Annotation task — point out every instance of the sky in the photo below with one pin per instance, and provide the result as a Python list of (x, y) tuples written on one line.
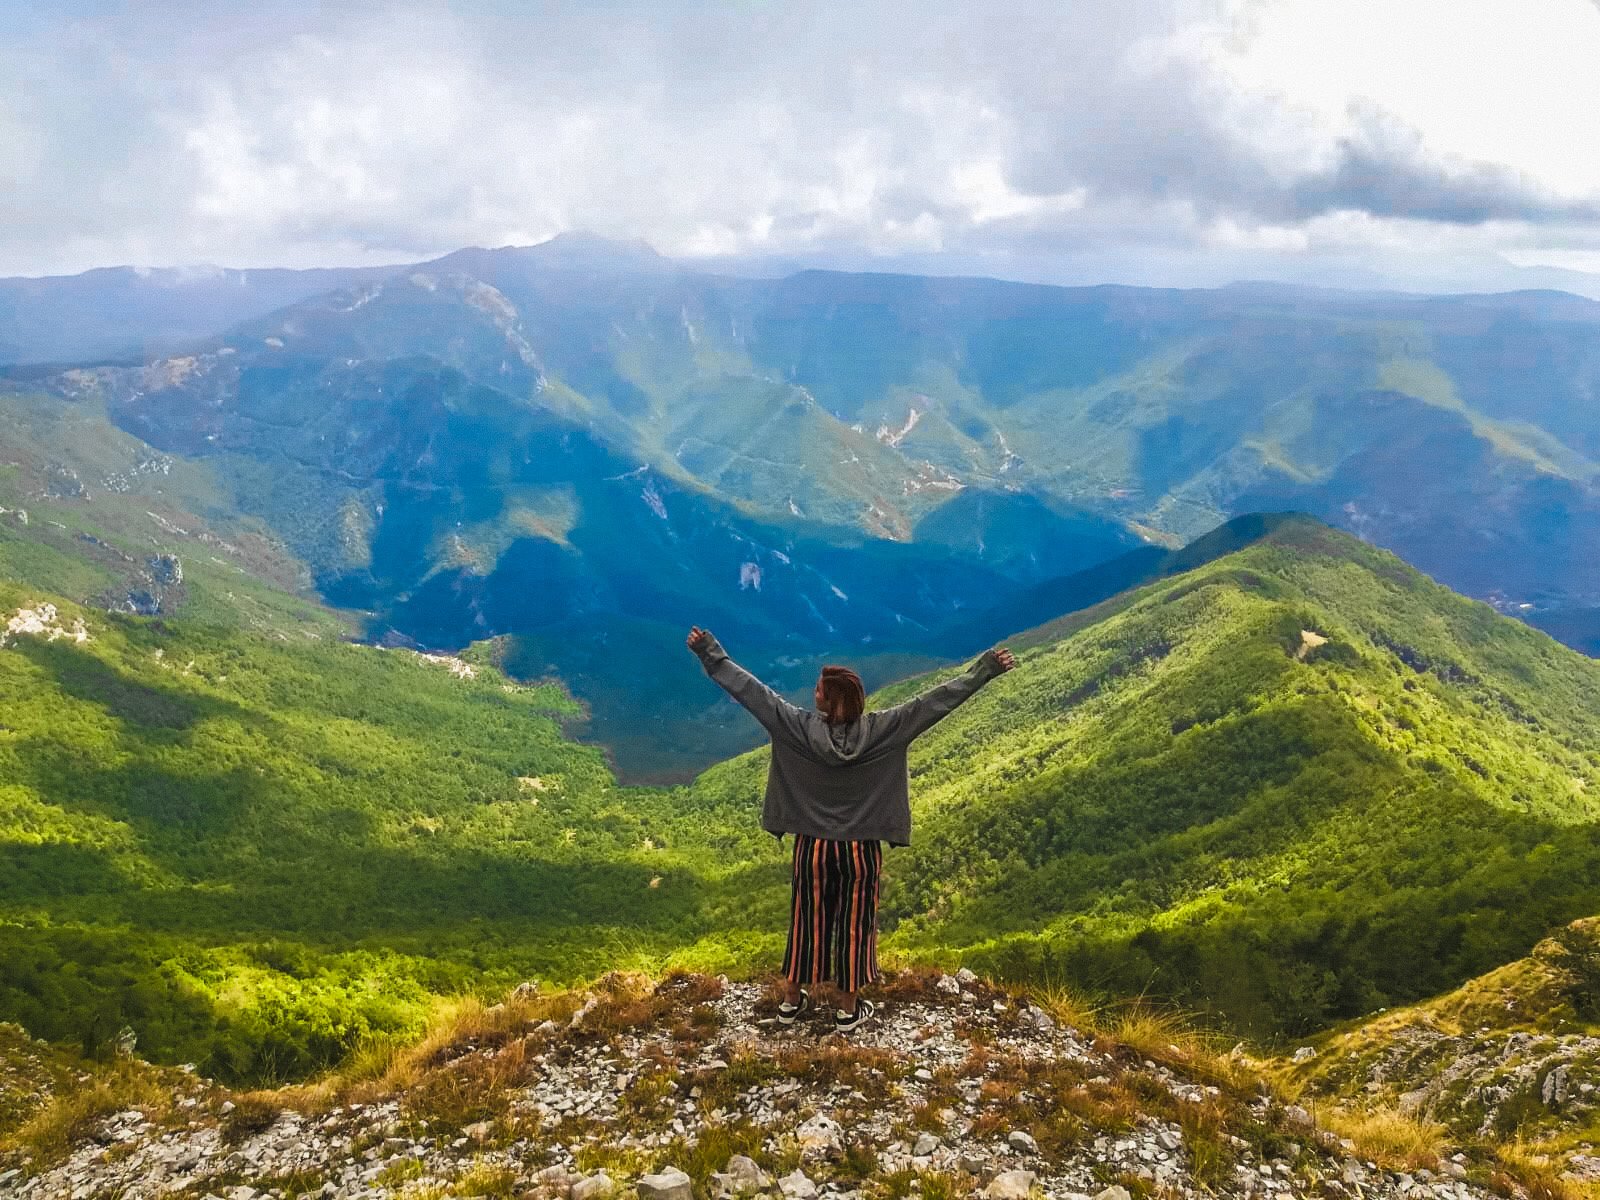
[(1437, 144)]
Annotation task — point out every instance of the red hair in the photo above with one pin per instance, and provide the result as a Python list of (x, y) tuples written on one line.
[(843, 697)]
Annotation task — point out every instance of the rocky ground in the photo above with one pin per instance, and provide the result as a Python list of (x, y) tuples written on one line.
[(1510, 1056), (690, 1090), (1481, 1084)]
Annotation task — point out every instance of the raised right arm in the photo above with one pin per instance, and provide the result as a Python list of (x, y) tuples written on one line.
[(777, 716)]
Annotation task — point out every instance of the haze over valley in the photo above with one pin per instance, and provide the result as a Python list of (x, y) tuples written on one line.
[(580, 447)]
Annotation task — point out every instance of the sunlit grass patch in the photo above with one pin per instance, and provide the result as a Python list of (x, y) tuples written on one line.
[(710, 1150), (1527, 1172), (1393, 1140), (402, 1172), (1206, 1138), (489, 1179), (71, 1116), (897, 1185)]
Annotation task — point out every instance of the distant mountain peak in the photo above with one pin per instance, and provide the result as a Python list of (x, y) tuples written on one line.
[(564, 252), (592, 245)]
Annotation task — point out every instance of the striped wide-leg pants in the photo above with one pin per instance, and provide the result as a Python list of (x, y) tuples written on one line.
[(833, 914)]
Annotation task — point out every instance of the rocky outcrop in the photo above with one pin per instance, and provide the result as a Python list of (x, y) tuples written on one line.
[(1511, 1052), (952, 1086)]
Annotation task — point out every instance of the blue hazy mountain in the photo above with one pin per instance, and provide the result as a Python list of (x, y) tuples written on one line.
[(581, 445), (131, 313)]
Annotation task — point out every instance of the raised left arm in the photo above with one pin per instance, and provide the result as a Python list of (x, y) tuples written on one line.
[(904, 722)]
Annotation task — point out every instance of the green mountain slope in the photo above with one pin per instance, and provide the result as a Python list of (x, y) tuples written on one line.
[(1292, 784), (1509, 1054), (256, 852), (877, 402), (92, 513), (568, 443)]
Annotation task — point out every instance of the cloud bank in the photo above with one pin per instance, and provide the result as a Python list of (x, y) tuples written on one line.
[(1177, 131)]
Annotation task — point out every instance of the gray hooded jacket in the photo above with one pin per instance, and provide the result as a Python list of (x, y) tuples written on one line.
[(845, 782)]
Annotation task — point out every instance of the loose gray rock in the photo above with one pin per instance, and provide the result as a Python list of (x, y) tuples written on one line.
[(796, 1186), (670, 1184), (1021, 1140), (744, 1176), (949, 985), (598, 1184), (1013, 1185), (1555, 1086), (819, 1135), (1115, 1192), (926, 1144), (965, 976), (1411, 1102)]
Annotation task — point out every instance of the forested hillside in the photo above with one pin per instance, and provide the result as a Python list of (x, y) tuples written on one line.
[(580, 447), (1298, 783), (257, 852), (1295, 783)]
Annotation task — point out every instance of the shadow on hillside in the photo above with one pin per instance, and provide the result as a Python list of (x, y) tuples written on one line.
[(177, 814), (353, 892), (85, 677), (55, 869)]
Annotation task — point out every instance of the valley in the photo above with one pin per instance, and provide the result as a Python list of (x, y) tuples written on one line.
[(575, 445), (1289, 785), (342, 687)]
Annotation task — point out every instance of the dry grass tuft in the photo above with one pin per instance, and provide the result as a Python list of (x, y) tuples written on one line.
[(628, 1001), (460, 1028), (746, 1069), (868, 1069), (253, 1113), (916, 984), (49, 1135), (475, 1087), (1176, 1040), (1205, 1134), (1528, 1174), (1066, 1004), (649, 1096), (1391, 1139)]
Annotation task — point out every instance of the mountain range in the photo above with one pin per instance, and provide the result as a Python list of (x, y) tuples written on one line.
[(1290, 784), (582, 447)]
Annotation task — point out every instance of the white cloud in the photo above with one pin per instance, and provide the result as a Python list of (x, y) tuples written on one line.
[(301, 134)]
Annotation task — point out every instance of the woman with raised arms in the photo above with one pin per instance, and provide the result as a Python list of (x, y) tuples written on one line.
[(837, 782)]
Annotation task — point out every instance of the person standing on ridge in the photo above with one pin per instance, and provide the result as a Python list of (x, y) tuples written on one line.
[(837, 781)]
